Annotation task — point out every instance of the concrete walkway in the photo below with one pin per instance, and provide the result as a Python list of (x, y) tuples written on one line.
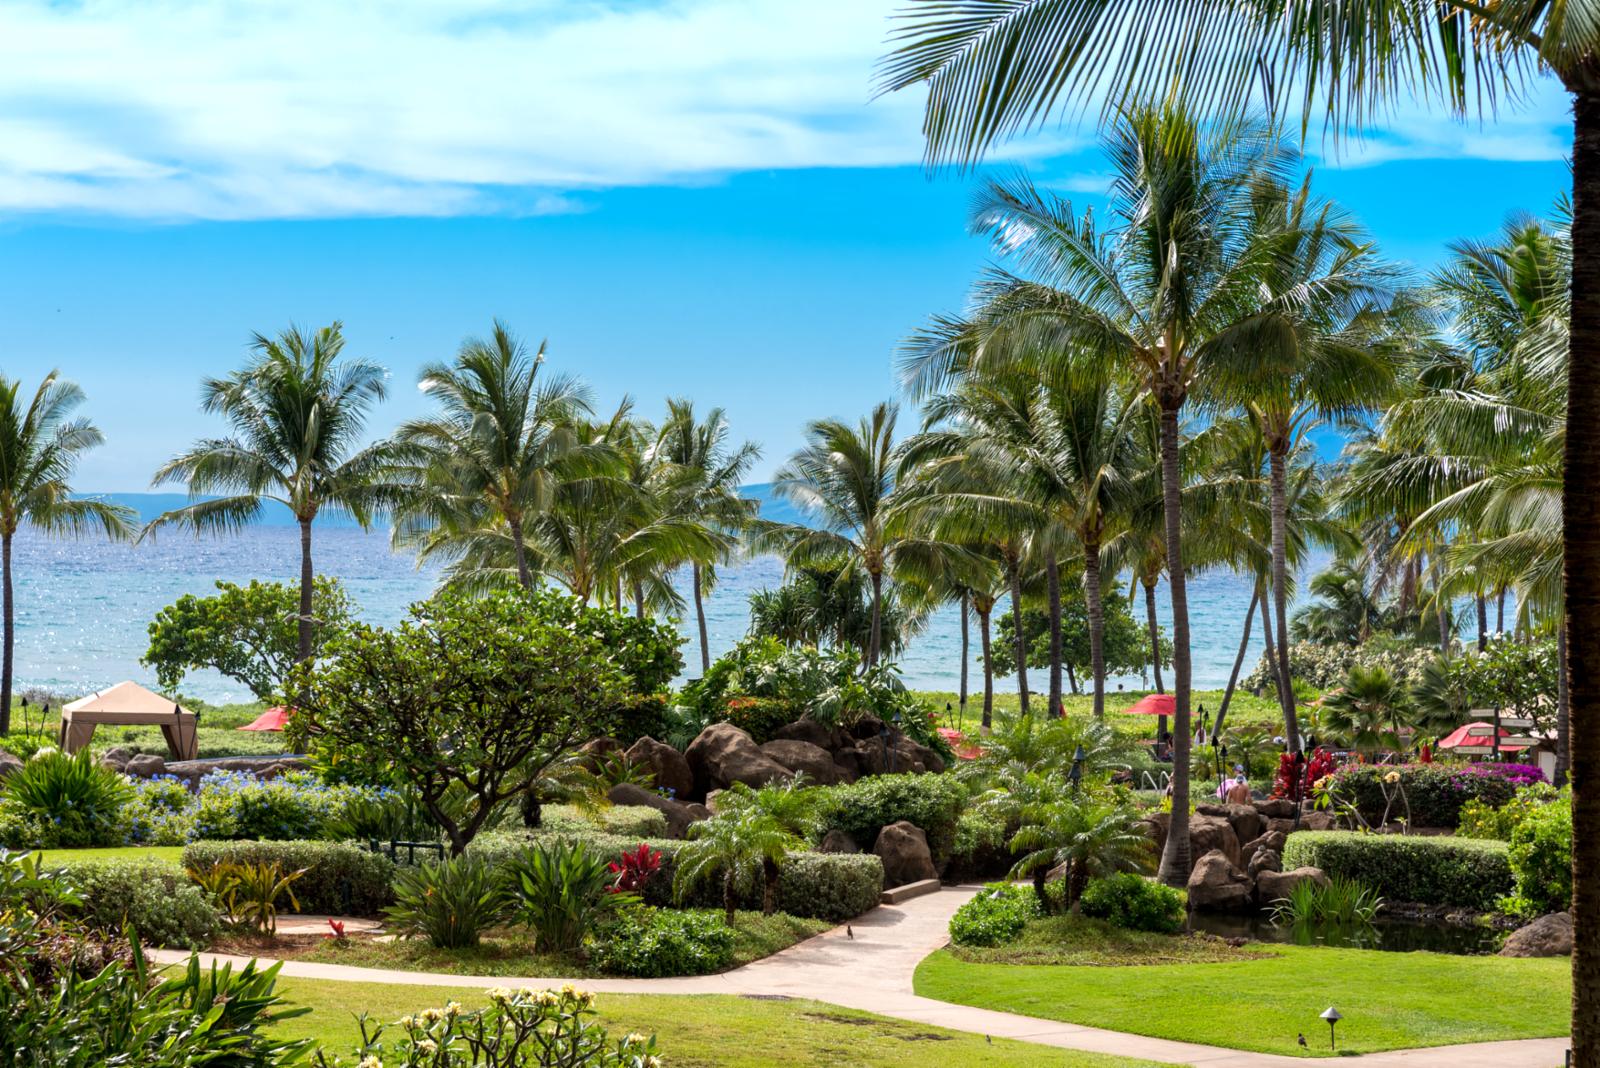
[(869, 964)]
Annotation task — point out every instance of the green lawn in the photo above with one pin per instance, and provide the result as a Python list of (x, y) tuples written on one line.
[(1245, 708), (1389, 1000), (511, 953), (67, 857), (705, 1031)]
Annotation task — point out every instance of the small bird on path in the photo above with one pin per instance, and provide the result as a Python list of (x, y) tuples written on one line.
[(849, 932)]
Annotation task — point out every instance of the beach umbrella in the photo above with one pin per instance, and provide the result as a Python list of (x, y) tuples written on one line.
[(1154, 704), (273, 719), (1460, 737)]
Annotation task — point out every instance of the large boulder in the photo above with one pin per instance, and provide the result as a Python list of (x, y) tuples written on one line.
[(1215, 885), (837, 841), (1271, 841), (666, 764), (1263, 860), (116, 758), (145, 766), (1213, 832), (912, 755), (1548, 936), (903, 848), (806, 729), (679, 815), (1275, 808), (8, 763), (722, 755), (1246, 822), (595, 751), (815, 761), (1272, 885), (1318, 821)]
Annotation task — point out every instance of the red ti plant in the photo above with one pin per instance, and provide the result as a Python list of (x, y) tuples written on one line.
[(634, 869), (337, 933)]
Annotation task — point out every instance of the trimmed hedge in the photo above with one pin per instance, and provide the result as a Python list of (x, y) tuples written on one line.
[(157, 898), (1465, 872), (820, 886), (340, 879), (933, 802)]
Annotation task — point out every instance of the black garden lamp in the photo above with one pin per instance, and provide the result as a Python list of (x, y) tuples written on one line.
[(1333, 1016), (1075, 776)]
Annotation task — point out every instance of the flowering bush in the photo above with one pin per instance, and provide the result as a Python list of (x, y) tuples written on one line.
[(518, 1029), (1435, 793), (1324, 666), (1481, 820), (160, 812), (1318, 767), (236, 805)]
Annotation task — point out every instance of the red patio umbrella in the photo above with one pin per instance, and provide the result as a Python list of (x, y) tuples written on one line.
[(1460, 737), (273, 719), (1154, 704)]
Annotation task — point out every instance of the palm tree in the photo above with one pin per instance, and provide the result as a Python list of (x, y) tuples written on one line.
[(793, 806), (1368, 710), (497, 452), (701, 448), (298, 410), (1091, 838), (735, 845), (844, 478), (40, 446), (993, 69)]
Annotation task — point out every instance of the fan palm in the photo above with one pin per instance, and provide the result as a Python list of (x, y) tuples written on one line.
[(40, 446), (736, 846), (1368, 710), (497, 451), (1090, 838), (700, 448), (793, 806), (298, 410)]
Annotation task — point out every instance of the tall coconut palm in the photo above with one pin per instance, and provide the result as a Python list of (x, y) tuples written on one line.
[(298, 411), (843, 478), (500, 446), (40, 446), (701, 449), (993, 69)]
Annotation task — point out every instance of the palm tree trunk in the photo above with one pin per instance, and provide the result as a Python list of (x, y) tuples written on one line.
[(769, 879), (1581, 547), (988, 666), (307, 581), (877, 618), (1563, 710), (1052, 578), (1277, 458), (1175, 858), (1238, 661), (730, 896), (1483, 623), (9, 666), (1097, 621), (1271, 649), (966, 652), (1072, 678), (1155, 632), (1015, 567), (700, 619), (524, 576), (1500, 611), (638, 600)]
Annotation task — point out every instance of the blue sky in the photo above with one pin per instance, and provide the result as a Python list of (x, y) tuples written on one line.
[(692, 198)]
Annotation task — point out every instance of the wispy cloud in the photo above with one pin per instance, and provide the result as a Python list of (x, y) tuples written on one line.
[(291, 108)]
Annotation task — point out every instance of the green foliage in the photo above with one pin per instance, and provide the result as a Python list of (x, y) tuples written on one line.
[(651, 943), (518, 1029), (822, 606), (340, 879), (1134, 903), (294, 806), (1367, 709), (65, 802), (1466, 872), (249, 633), (1326, 666), (483, 694), (933, 802), (979, 849), (995, 915), (1541, 859), (248, 894), (1342, 902), (1517, 677), (1479, 819), (1434, 793), (449, 902), (1125, 640), (1091, 837), (560, 891), (157, 900), (735, 846)]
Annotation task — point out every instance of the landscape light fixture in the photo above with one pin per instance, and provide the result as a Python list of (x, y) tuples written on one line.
[(1075, 776), (1333, 1016)]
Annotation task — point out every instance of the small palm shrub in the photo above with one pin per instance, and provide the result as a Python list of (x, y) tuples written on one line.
[(995, 916), (517, 1029), (1135, 903), (651, 943), (67, 801), (248, 894), (736, 847), (559, 891), (449, 902)]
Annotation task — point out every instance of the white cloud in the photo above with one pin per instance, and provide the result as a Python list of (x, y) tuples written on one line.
[(289, 108)]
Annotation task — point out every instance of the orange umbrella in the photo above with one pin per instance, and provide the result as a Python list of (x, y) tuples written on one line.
[(273, 719)]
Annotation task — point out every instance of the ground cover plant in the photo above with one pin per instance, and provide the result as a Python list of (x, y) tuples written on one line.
[(1084, 940), (1389, 1000)]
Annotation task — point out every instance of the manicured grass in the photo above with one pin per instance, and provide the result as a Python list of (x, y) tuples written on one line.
[(705, 1031), (1389, 1000), (1079, 940), (510, 952), (1244, 708), (67, 857)]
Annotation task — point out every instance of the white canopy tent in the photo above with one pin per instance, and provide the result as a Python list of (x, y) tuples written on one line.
[(129, 704)]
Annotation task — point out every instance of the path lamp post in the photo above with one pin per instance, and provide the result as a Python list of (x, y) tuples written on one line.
[(1333, 1016), (1075, 776)]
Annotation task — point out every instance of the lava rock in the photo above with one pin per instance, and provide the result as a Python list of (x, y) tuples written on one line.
[(1272, 885), (679, 815), (116, 758), (1246, 822), (813, 760), (1271, 840), (666, 764), (8, 763), (837, 841), (806, 729), (145, 766), (1548, 936), (1213, 832), (1263, 860), (722, 755), (1215, 885), (903, 848)]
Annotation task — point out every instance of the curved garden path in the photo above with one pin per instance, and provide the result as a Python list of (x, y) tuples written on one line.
[(872, 972)]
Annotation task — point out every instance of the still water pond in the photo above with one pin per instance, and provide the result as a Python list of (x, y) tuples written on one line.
[(1400, 936)]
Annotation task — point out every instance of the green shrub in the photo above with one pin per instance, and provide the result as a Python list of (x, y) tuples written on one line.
[(1479, 819), (234, 804), (629, 821), (979, 849), (559, 890), (69, 801), (1435, 792), (1466, 872), (652, 943), (448, 902), (1135, 903), (157, 899), (995, 916), (932, 802), (1541, 860), (340, 878)]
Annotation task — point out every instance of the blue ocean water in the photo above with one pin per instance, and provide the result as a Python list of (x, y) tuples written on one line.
[(83, 607)]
